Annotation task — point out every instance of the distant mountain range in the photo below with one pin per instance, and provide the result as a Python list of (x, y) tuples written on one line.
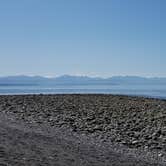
[(79, 80)]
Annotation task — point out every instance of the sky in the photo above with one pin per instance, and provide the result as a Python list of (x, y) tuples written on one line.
[(83, 37)]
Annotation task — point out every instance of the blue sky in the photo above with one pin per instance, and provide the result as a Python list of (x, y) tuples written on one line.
[(83, 37)]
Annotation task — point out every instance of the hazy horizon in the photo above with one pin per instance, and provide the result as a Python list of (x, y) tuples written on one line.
[(139, 86), (70, 75)]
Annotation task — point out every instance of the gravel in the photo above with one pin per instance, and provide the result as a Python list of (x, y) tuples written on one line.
[(137, 123)]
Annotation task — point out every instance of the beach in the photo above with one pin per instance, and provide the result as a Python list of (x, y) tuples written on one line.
[(85, 130)]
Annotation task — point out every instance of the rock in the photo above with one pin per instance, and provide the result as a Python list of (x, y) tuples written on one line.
[(135, 142), (160, 154), (97, 127)]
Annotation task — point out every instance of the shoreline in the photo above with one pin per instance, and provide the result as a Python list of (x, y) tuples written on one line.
[(108, 94), (134, 124)]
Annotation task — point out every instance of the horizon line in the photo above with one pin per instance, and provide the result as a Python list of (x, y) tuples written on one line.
[(76, 75)]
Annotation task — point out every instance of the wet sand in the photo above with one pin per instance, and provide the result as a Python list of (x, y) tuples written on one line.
[(82, 130)]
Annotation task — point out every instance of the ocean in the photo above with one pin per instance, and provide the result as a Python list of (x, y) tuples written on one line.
[(156, 91)]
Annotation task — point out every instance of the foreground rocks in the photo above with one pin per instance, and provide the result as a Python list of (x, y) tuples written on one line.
[(24, 144), (135, 122)]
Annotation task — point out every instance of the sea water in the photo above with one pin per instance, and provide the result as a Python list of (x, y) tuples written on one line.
[(157, 91)]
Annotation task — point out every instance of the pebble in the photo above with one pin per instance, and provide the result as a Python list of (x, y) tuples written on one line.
[(126, 120)]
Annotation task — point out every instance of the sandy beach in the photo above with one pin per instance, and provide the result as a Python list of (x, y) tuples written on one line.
[(85, 130)]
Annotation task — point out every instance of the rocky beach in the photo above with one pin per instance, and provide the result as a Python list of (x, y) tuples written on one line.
[(86, 130)]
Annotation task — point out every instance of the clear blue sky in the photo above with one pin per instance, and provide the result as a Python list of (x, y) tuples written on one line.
[(83, 37)]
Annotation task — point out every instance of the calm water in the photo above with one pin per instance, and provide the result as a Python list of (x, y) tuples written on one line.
[(158, 91)]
